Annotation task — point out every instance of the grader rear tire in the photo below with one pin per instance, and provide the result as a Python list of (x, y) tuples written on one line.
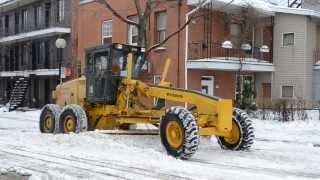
[(49, 118), (73, 119), (242, 133), (179, 133)]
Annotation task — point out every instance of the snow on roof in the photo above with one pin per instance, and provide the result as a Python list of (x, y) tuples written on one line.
[(265, 7)]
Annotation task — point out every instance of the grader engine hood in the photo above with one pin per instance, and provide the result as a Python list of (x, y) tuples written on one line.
[(71, 92)]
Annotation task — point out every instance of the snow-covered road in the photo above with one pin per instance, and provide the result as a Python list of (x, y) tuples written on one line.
[(281, 151)]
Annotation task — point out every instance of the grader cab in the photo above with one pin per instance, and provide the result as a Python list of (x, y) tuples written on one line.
[(109, 97)]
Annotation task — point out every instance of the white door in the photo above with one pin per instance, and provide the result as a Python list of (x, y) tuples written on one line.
[(207, 85)]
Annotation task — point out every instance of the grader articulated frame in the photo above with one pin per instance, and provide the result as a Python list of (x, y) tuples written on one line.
[(180, 128)]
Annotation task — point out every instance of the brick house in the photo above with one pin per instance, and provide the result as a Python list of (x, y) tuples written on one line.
[(28, 31), (281, 41), (219, 81)]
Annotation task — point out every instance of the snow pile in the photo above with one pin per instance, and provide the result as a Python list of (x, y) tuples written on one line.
[(296, 115), (258, 5), (3, 171)]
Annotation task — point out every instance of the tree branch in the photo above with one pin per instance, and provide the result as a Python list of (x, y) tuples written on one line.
[(176, 32), (138, 7), (115, 13)]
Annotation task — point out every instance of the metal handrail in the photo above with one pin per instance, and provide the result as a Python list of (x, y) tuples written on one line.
[(201, 50)]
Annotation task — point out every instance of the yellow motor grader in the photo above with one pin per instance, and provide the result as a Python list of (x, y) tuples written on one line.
[(109, 97)]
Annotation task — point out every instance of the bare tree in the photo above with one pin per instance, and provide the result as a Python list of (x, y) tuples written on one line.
[(144, 11)]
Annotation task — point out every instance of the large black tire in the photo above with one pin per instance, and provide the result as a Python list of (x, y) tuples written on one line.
[(245, 127), (73, 114), (49, 112), (190, 137)]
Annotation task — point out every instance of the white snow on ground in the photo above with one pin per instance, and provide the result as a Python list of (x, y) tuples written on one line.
[(281, 151)]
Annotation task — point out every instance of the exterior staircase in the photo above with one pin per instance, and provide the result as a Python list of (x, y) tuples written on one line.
[(17, 95)]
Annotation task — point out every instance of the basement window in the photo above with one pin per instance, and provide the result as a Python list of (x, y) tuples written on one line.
[(287, 92), (288, 39)]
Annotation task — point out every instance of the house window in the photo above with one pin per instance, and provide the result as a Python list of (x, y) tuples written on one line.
[(288, 39), (161, 26), (207, 85), (24, 54), (266, 90), (235, 30), (107, 32), (60, 10), (6, 24), (235, 33), (133, 31), (41, 53), (16, 22), (287, 92), (47, 14), (24, 19), (38, 16)]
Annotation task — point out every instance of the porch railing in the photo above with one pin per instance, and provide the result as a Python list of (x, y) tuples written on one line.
[(200, 50)]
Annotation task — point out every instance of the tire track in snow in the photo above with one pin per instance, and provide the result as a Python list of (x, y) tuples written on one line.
[(267, 171), (288, 141), (40, 169), (110, 165), (65, 163), (29, 120)]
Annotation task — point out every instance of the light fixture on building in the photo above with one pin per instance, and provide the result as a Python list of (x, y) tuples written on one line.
[(265, 49), (246, 47), (227, 45), (60, 44)]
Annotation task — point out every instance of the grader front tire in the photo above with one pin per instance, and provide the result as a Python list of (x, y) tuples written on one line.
[(73, 119), (49, 118), (242, 134), (179, 133)]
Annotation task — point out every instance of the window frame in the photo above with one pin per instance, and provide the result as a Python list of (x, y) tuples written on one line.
[(60, 10), (157, 30), (131, 29), (24, 19), (294, 39), (281, 91), (38, 15), (109, 35)]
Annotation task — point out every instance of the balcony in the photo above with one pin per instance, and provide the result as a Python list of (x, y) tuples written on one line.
[(201, 50), (31, 32), (213, 56), (40, 70)]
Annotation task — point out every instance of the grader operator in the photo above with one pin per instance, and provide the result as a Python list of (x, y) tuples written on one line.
[(109, 96)]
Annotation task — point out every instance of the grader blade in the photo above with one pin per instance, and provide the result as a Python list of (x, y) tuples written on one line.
[(131, 132)]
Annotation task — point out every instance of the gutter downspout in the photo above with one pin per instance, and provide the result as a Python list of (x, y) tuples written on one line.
[(187, 43)]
